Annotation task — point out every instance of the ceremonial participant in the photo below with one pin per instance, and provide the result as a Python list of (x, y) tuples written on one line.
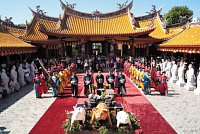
[(74, 84), (126, 68), (141, 83), (92, 82), (55, 83), (110, 78), (43, 82), (164, 82), (37, 86), (66, 76), (99, 80), (62, 81), (146, 83), (87, 83), (131, 71), (121, 83), (116, 78)]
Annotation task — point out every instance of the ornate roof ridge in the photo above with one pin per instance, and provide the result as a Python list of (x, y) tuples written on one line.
[(148, 16), (43, 16), (182, 23), (12, 25), (96, 13)]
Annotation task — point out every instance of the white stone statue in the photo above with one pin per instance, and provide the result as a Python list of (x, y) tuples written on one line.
[(164, 65), (181, 70), (168, 69), (28, 67), (190, 85), (5, 80), (21, 76), (33, 69), (174, 72), (13, 74), (14, 85), (27, 76), (197, 90)]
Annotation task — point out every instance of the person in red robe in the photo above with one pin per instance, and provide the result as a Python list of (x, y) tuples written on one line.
[(37, 86), (43, 82), (163, 80)]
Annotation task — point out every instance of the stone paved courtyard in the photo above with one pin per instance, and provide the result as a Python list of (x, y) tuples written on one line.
[(181, 109), (20, 111)]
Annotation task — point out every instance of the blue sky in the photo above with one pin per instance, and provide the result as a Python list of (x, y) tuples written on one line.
[(18, 9)]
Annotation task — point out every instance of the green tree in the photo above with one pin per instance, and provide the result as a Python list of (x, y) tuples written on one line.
[(177, 14)]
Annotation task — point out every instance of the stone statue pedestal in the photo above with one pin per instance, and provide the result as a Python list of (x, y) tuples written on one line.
[(189, 87), (180, 84), (197, 91)]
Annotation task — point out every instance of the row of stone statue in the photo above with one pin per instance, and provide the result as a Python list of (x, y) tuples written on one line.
[(15, 78), (181, 74)]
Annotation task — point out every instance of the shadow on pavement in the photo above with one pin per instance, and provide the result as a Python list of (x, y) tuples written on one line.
[(14, 97)]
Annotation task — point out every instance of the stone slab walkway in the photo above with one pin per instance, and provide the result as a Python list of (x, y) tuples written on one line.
[(20, 111), (181, 108)]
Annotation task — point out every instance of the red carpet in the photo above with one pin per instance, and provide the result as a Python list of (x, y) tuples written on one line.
[(52, 120), (151, 121)]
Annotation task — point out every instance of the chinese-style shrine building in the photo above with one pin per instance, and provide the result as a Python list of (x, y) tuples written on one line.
[(119, 32)]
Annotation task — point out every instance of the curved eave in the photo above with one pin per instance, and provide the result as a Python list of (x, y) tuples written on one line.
[(149, 16), (73, 12), (44, 41), (179, 46), (61, 35), (45, 17)]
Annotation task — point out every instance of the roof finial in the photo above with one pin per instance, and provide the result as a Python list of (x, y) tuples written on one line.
[(120, 6), (153, 10), (41, 12), (33, 12), (8, 20)]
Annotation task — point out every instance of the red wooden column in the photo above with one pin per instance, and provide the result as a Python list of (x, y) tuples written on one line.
[(133, 50)]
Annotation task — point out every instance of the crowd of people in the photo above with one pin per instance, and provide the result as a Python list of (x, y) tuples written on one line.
[(56, 75)]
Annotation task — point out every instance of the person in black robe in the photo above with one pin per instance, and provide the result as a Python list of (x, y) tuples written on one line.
[(74, 84), (99, 80), (87, 83), (110, 78), (121, 83)]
